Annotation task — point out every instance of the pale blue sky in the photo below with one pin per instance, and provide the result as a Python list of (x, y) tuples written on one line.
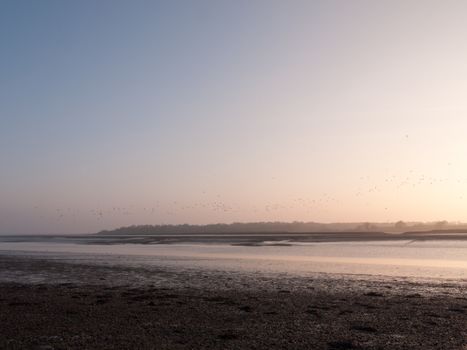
[(220, 111)]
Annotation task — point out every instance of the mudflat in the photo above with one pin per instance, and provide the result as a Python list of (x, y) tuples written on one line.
[(117, 308)]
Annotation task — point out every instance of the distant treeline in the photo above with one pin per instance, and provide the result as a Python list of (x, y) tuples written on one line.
[(288, 227)]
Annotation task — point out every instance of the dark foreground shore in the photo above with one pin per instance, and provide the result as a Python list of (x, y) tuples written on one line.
[(224, 311)]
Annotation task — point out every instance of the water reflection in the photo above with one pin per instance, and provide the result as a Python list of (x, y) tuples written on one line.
[(427, 259)]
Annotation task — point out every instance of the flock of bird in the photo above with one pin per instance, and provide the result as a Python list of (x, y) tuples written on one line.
[(390, 184)]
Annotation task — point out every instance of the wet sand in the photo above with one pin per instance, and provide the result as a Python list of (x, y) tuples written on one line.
[(82, 306), (241, 239)]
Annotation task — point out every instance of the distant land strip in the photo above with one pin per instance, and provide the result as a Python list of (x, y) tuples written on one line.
[(401, 227)]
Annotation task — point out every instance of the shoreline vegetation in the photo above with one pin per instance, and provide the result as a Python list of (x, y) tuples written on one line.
[(400, 227), (310, 231)]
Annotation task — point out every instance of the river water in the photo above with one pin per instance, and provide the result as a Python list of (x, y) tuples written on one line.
[(433, 259)]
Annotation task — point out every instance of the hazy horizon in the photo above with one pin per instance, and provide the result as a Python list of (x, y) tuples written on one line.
[(277, 226), (115, 113)]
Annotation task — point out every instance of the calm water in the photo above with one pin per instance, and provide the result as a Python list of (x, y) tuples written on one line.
[(424, 259)]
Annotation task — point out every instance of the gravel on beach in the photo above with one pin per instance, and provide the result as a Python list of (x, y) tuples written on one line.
[(223, 311)]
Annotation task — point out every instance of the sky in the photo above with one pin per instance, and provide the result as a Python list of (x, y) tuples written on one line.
[(115, 113)]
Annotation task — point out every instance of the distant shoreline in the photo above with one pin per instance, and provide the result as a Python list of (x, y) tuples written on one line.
[(400, 227)]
